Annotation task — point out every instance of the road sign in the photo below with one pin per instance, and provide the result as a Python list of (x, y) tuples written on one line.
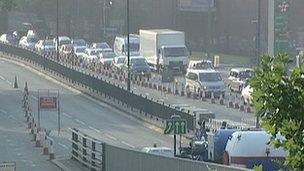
[(176, 126), (48, 103), (8, 166)]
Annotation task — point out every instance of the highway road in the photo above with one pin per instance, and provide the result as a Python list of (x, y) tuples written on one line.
[(221, 112), (77, 110)]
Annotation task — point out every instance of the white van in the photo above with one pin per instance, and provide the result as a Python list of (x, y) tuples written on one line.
[(120, 45), (238, 78), (209, 81), (245, 146), (63, 40)]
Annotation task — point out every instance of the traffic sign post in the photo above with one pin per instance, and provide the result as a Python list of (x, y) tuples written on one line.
[(176, 126), (48, 100)]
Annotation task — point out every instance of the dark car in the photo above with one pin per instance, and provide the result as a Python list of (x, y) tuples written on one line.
[(138, 66)]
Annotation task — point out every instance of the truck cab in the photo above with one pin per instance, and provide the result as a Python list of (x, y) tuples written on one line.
[(174, 57)]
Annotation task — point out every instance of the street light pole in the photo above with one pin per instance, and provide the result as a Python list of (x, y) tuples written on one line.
[(209, 30), (258, 47), (104, 19), (57, 28), (128, 46)]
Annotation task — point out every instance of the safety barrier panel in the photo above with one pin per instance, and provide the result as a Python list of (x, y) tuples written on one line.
[(87, 150), (101, 86)]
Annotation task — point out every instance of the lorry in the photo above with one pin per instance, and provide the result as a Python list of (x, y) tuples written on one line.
[(164, 49)]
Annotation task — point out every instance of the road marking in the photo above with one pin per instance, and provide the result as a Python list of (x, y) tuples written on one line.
[(127, 144), (35, 98), (3, 111), (2, 78), (62, 145), (94, 129), (66, 115), (10, 83), (79, 121), (111, 137)]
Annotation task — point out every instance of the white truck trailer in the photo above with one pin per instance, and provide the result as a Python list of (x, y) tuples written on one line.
[(164, 49)]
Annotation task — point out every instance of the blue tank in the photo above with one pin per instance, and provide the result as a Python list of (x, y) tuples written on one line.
[(220, 140)]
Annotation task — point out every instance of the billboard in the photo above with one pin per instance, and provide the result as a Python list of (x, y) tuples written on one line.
[(196, 5), (48, 103)]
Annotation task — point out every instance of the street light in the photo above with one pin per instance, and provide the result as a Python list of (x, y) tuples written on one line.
[(105, 5), (57, 25), (128, 47)]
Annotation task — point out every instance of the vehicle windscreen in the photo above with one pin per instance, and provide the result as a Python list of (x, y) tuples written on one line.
[(175, 51), (48, 43), (80, 50), (138, 61), (202, 65), (94, 52), (79, 42), (32, 40), (210, 77), (102, 45), (108, 55), (65, 42), (246, 74), (134, 47)]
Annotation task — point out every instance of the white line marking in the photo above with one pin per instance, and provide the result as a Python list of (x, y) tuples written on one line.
[(66, 115), (2, 78), (3, 111), (127, 144), (10, 83), (64, 146), (35, 98), (94, 129), (111, 137), (79, 121)]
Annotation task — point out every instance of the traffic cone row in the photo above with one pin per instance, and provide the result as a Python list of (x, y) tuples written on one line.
[(39, 137)]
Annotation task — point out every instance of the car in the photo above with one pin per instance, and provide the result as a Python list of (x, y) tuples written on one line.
[(45, 46), (246, 94), (79, 51), (106, 58), (138, 66), (200, 64), (238, 78), (28, 42), (161, 151), (9, 39), (91, 54), (79, 43), (66, 50), (209, 81), (101, 45), (63, 40), (118, 62)]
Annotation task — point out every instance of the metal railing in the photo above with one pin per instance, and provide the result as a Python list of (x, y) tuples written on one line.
[(86, 149)]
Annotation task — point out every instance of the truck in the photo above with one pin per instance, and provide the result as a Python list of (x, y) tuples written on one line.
[(164, 49)]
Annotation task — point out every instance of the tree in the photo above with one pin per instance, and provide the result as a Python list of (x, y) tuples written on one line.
[(278, 97)]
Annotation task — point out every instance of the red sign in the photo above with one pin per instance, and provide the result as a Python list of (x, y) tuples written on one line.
[(48, 103)]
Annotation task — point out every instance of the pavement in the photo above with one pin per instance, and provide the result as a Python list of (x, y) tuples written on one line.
[(77, 110)]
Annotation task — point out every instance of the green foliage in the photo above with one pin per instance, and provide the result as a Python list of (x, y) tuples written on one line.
[(258, 168), (278, 97), (7, 5)]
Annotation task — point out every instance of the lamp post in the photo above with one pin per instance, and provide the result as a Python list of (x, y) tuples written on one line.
[(258, 48), (128, 46), (57, 28)]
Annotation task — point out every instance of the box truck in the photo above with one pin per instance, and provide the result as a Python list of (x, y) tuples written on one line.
[(164, 49)]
